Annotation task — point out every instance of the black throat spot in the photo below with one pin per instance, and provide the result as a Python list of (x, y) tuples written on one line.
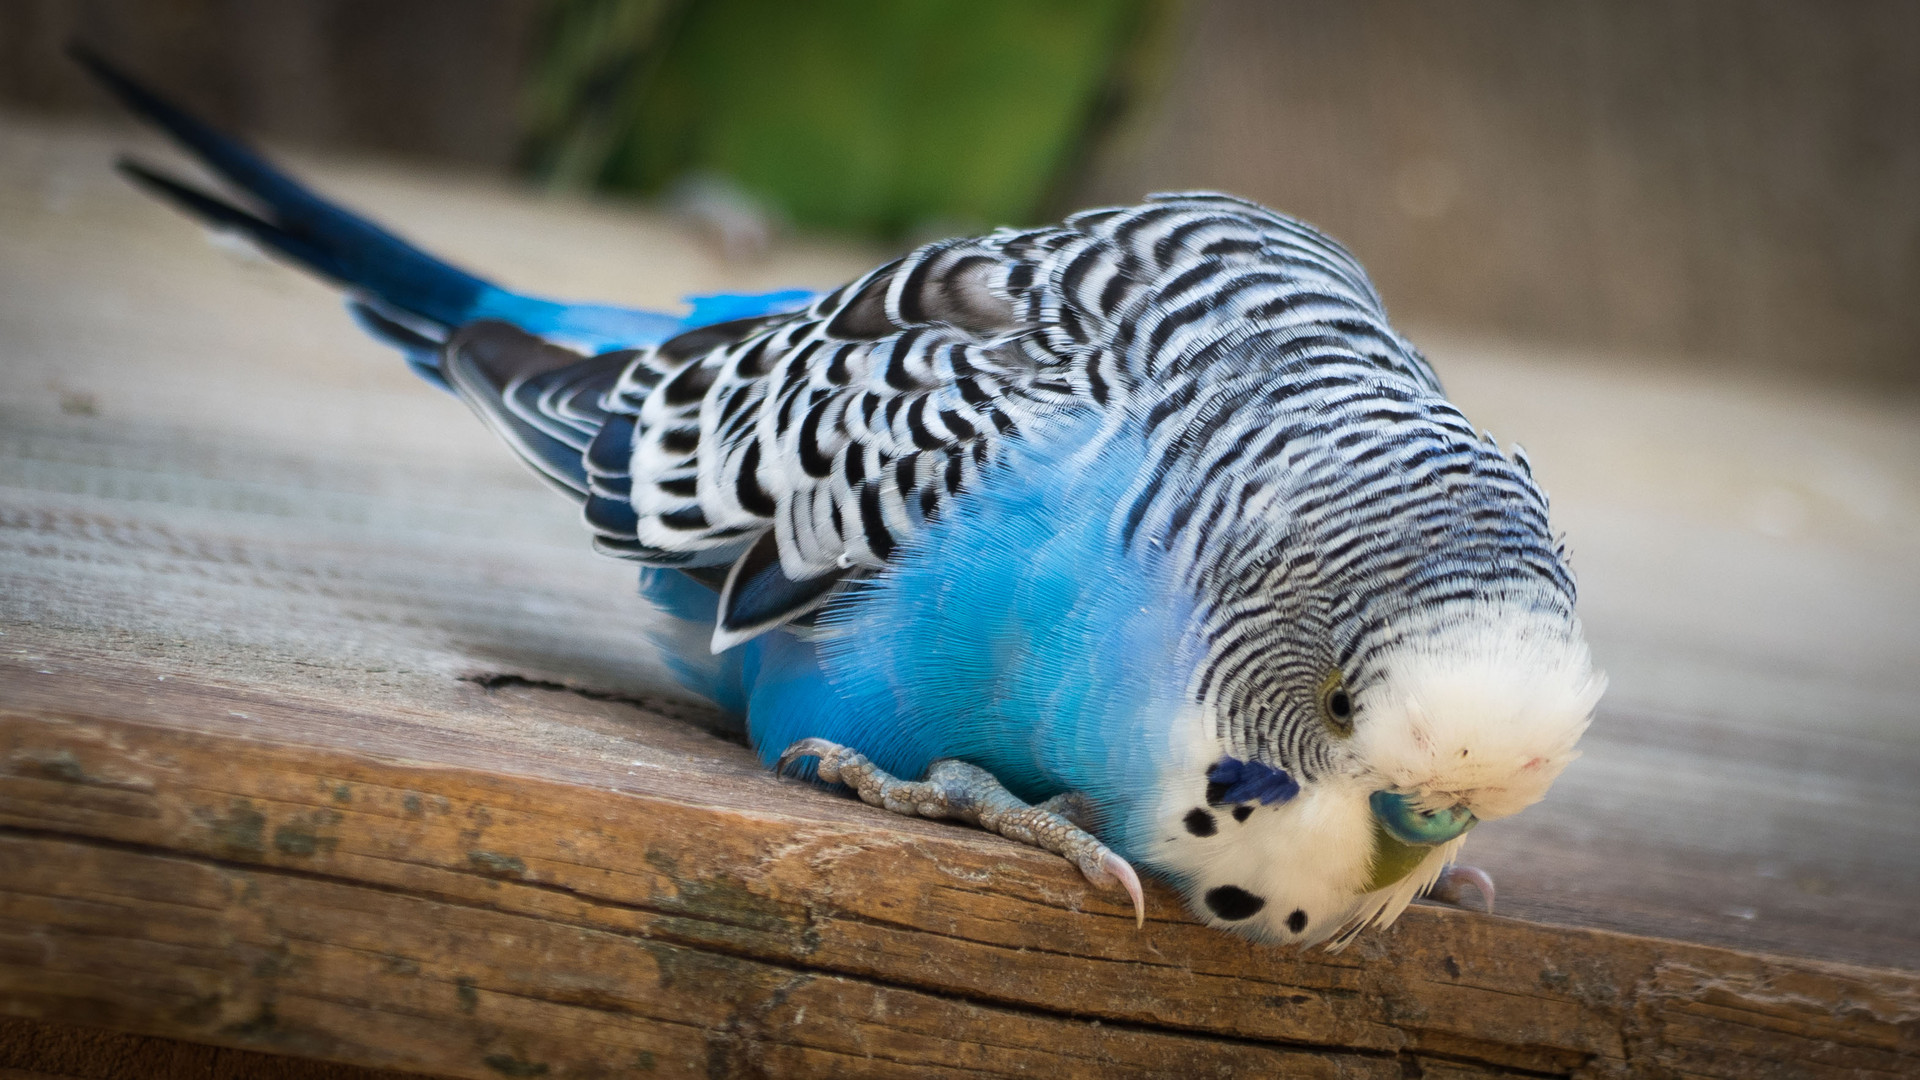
[(1201, 823), (1233, 903)]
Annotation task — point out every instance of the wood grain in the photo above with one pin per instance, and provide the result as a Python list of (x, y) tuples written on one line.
[(478, 921), (36, 1050), (322, 734)]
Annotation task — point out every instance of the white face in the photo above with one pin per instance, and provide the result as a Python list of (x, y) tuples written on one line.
[(1293, 871), (1485, 722), (1287, 872)]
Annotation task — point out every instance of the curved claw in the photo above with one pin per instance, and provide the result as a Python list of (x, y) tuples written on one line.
[(809, 747), (1118, 868), (1449, 888)]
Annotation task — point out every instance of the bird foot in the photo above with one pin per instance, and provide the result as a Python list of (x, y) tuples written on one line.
[(1450, 887), (958, 791)]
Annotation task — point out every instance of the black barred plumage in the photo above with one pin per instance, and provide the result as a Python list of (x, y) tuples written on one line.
[(1305, 468), (948, 350)]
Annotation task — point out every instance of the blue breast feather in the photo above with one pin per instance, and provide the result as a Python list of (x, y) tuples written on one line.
[(1016, 633)]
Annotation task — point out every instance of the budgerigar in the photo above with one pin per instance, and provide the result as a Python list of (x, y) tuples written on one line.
[(1142, 537)]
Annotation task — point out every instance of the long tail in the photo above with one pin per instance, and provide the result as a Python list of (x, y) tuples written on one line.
[(509, 356), (401, 294)]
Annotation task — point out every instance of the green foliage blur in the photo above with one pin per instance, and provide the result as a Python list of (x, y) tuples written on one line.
[(883, 117)]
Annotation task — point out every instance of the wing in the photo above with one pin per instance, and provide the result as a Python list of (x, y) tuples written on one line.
[(803, 451), (542, 400), (780, 456)]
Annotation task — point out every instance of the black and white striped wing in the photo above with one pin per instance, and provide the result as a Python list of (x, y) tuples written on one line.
[(546, 402), (776, 457), (805, 448)]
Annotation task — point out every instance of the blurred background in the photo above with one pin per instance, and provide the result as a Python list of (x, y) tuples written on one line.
[(1732, 181)]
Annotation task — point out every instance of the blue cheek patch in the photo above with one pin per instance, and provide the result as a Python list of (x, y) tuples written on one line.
[(1231, 780)]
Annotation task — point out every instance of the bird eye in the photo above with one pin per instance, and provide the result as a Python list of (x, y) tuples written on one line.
[(1336, 704), (1411, 825)]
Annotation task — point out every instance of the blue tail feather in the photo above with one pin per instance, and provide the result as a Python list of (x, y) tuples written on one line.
[(298, 223), (396, 285), (422, 352), (418, 303)]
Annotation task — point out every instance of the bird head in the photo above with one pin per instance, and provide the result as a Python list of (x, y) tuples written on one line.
[(1467, 720), (1385, 668)]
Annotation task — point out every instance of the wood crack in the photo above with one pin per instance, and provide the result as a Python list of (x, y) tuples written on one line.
[(711, 721)]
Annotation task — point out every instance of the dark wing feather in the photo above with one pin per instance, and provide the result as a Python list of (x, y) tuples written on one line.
[(482, 362), (758, 596), (778, 458)]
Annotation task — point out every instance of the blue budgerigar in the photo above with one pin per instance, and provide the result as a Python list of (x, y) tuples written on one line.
[(1142, 537)]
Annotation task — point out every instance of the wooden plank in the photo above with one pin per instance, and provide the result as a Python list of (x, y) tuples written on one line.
[(321, 733), (312, 901)]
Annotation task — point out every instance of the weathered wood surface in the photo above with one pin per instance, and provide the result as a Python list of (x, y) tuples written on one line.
[(460, 914), (323, 734), (38, 1050)]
